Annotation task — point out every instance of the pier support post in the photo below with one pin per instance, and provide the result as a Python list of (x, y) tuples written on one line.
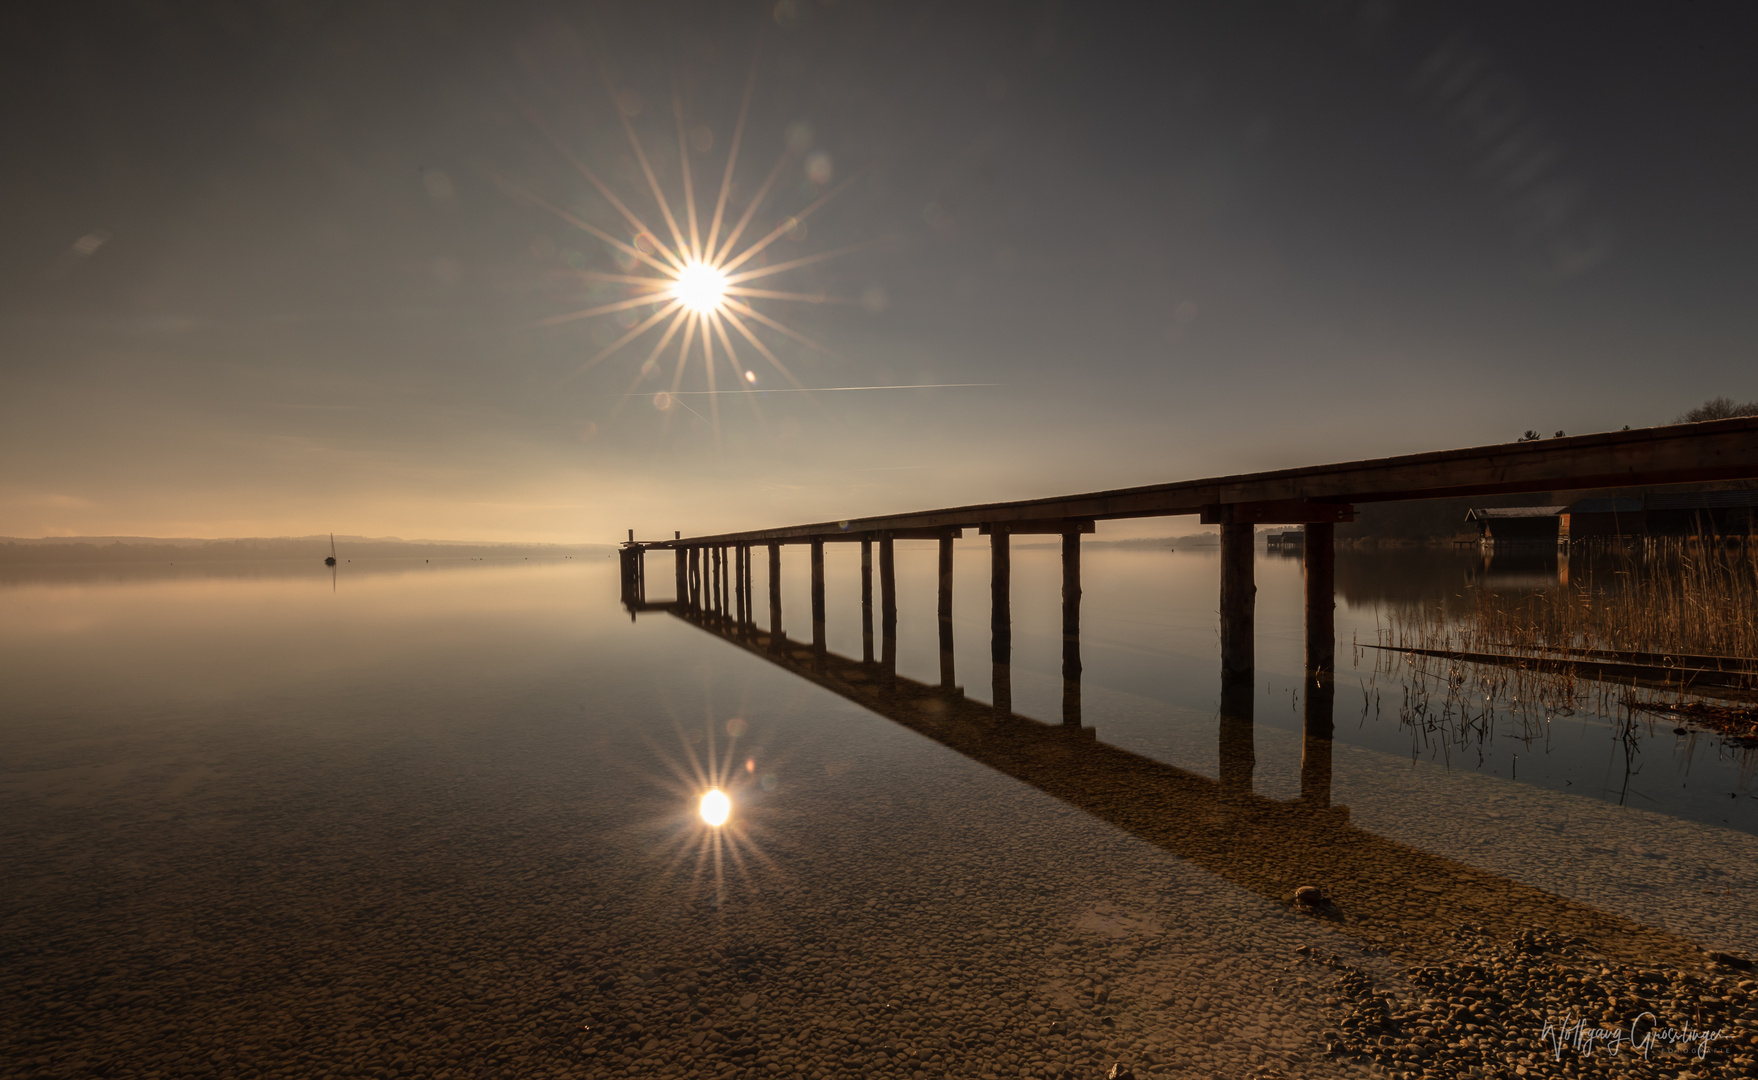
[(1320, 561), (1001, 618), (1071, 666), (943, 610), (681, 559), (818, 596), (888, 610), (738, 584), (866, 599), (1238, 602), (1315, 741), (696, 577), (775, 638)]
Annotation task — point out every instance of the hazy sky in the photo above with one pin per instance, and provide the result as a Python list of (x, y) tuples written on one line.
[(278, 269)]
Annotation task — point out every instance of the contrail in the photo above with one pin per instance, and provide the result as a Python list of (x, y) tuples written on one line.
[(816, 389)]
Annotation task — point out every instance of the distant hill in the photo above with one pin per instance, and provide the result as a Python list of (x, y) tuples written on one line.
[(121, 549)]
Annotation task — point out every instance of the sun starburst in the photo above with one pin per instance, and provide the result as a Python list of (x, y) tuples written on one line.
[(693, 291)]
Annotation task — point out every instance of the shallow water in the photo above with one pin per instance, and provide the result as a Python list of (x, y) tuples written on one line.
[(440, 820)]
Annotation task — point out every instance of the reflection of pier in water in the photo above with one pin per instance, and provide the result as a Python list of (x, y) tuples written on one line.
[(1388, 895)]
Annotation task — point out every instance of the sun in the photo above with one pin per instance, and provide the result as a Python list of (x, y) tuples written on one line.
[(696, 275), (700, 288)]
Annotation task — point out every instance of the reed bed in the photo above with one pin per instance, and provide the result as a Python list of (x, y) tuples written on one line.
[(1670, 598), (1667, 630)]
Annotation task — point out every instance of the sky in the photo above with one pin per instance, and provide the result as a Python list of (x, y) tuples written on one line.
[(297, 267)]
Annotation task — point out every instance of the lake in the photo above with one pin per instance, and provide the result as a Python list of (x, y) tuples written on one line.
[(442, 820)]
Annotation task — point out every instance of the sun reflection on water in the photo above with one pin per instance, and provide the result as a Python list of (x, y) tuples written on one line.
[(715, 807)]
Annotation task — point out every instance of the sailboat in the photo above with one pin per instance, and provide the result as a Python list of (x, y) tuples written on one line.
[(331, 561)]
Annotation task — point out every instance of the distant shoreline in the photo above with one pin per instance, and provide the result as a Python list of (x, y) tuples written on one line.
[(133, 549)]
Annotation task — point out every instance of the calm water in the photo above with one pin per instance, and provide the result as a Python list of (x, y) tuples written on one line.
[(440, 820)]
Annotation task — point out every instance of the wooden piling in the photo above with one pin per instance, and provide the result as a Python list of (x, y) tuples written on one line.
[(741, 596), (1238, 601), (626, 567), (775, 637), (1320, 562), (1001, 618), (943, 610), (696, 577), (682, 569), (888, 609), (1071, 666), (817, 595), (867, 600)]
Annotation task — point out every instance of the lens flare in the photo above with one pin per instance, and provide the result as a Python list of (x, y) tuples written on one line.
[(715, 807), (701, 288), (699, 276)]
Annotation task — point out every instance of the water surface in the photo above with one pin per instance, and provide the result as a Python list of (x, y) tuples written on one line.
[(440, 820)]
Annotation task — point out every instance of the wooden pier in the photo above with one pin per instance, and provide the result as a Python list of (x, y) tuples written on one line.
[(1317, 497)]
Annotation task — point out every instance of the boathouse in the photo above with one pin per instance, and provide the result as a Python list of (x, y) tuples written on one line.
[(1521, 524)]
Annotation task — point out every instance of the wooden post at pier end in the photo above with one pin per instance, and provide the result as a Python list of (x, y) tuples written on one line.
[(1001, 618), (775, 597), (626, 565), (1238, 601), (682, 561), (817, 596), (696, 577), (888, 609), (1320, 560), (1071, 666), (866, 599), (948, 670)]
